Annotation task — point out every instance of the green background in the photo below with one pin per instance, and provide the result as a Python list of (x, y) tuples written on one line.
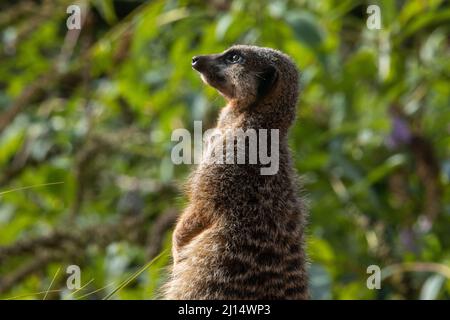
[(86, 120)]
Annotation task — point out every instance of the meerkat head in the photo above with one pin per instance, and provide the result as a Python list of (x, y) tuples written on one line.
[(247, 75)]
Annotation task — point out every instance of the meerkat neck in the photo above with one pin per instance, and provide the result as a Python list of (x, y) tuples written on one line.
[(232, 116)]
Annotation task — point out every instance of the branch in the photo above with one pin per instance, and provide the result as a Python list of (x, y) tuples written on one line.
[(416, 267), (38, 263), (64, 244)]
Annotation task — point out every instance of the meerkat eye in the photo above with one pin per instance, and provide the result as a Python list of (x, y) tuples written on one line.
[(234, 58)]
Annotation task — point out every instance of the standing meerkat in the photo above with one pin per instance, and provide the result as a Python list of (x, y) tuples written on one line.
[(241, 236)]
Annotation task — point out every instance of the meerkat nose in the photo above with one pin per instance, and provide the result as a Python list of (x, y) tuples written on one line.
[(195, 60), (198, 63)]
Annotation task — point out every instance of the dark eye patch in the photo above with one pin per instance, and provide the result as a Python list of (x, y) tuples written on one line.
[(233, 56)]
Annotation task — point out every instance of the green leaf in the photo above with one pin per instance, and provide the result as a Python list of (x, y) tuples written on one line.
[(306, 28)]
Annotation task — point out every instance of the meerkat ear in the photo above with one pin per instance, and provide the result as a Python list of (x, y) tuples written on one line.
[(267, 79)]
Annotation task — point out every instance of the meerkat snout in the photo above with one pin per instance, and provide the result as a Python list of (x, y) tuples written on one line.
[(194, 60), (212, 72)]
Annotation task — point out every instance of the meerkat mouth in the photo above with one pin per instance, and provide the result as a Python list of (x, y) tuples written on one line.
[(212, 73), (216, 81), (204, 78)]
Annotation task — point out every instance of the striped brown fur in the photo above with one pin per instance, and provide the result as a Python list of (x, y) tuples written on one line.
[(241, 236)]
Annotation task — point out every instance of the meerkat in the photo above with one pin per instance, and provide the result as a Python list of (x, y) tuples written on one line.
[(242, 233)]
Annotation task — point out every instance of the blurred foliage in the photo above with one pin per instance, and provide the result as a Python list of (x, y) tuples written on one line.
[(94, 112)]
